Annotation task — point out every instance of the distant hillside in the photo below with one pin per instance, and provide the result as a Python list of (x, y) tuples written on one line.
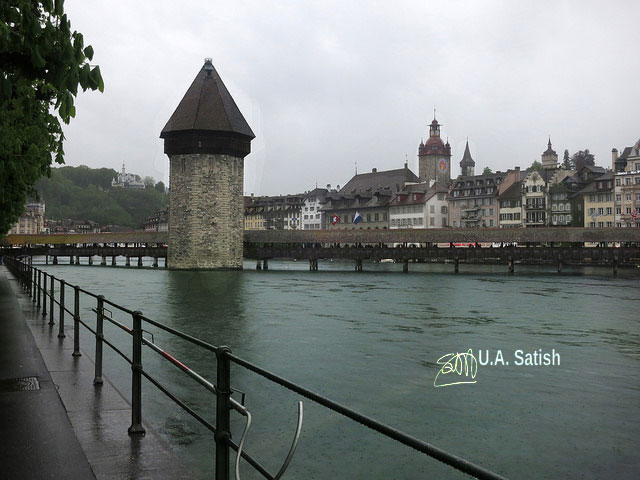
[(83, 193)]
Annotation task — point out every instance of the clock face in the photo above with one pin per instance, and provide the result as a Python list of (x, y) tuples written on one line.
[(443, 165)]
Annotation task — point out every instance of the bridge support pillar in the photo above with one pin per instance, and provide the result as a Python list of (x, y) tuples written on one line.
[(46, 259), (70, 259), (55, 259), (91, 260), (139, 261), (313, 264), (559, 264), (155, 262), (511, 268), (113, 260), (456, 265), (405, 266), (77, 259), (128, 264), (615, 267), (104, 261), (258, 265), (265, 264), (358, 264)]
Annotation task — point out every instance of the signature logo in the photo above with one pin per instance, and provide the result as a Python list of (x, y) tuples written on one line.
[(459, 366)]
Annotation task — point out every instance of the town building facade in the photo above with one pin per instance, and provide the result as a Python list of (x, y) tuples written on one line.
[(31, 221), (627, 186), (312, 215), (419, 206)]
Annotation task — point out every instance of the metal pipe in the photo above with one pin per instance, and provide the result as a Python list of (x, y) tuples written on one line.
[(76, 322), (52, 299), (97, 380), (136, 377), (223, 404), (44, 296), (61, 319)]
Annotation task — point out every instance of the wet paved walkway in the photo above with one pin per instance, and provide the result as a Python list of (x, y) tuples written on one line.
[(55, 423)]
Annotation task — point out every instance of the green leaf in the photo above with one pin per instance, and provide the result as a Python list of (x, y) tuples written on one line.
[(36, 59), (97, 77), (88, 52)]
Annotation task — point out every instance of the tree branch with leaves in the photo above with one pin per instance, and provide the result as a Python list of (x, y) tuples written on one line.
[(43, 62)]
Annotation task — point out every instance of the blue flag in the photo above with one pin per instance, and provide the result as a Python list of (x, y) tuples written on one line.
[(357, 218)]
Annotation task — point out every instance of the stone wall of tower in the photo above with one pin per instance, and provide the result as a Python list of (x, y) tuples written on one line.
[(428, 169), (207, 212)]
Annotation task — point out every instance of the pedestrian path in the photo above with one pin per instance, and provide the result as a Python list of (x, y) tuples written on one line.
[(55, 423)]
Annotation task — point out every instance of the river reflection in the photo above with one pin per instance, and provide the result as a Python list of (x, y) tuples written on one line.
[(371, 340)]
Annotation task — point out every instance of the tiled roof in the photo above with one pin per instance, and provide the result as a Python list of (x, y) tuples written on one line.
[(373, 181)]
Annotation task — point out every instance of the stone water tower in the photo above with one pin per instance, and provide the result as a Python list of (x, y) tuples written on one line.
[(206, 140)]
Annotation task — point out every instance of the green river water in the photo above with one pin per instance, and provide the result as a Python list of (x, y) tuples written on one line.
[(372, 341)]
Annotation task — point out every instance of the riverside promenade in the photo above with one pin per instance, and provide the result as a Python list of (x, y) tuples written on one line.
[(55, 423)]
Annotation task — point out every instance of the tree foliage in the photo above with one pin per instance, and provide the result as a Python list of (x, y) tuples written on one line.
[(43, 64), (70, 193), (487, 171), (582, 158), (567, 163), (536, 165)]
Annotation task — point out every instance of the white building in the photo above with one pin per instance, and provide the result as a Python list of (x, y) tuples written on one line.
[(312, 216), (126, 180), (419, 206)]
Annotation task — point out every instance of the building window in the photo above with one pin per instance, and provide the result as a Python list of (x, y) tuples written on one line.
[(432, 221), (618, 182), (609, 209), (376, 217), (627, 181)]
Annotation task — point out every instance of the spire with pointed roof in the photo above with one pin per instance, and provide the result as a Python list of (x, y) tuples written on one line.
[(549, 157), (467, 164)]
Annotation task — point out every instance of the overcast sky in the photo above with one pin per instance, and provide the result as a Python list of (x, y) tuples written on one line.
[(327, 84)]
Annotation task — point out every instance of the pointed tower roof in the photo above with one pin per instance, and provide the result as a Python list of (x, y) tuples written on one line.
[(549, 150), (466, 158), (207, 120)]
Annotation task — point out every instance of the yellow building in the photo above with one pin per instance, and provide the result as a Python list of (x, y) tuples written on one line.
[(598, 202), (31, 221)]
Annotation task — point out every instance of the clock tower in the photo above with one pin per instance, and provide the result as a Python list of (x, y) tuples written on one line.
[(434, 157)]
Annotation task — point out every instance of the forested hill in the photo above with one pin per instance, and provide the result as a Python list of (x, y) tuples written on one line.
[(83, 193)]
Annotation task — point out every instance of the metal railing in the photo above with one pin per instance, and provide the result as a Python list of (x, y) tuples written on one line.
[(40, 285)]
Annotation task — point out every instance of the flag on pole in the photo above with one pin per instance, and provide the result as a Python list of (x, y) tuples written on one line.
[(357, 217), (335, 219)]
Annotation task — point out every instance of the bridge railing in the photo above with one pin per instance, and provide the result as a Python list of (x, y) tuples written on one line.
[(41, 286)]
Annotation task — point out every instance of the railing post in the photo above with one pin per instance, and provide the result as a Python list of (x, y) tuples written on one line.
[(136, 377), (223, 405), (99, 337), (61, 316), (44, 296), (76, 322), (39, 287), (33, 281), (52, 299)]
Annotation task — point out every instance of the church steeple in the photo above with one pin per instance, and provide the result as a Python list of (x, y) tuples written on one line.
[(549, 157), (467, 164)]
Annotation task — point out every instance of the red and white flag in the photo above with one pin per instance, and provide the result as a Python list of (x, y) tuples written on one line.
[(335, 219)]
